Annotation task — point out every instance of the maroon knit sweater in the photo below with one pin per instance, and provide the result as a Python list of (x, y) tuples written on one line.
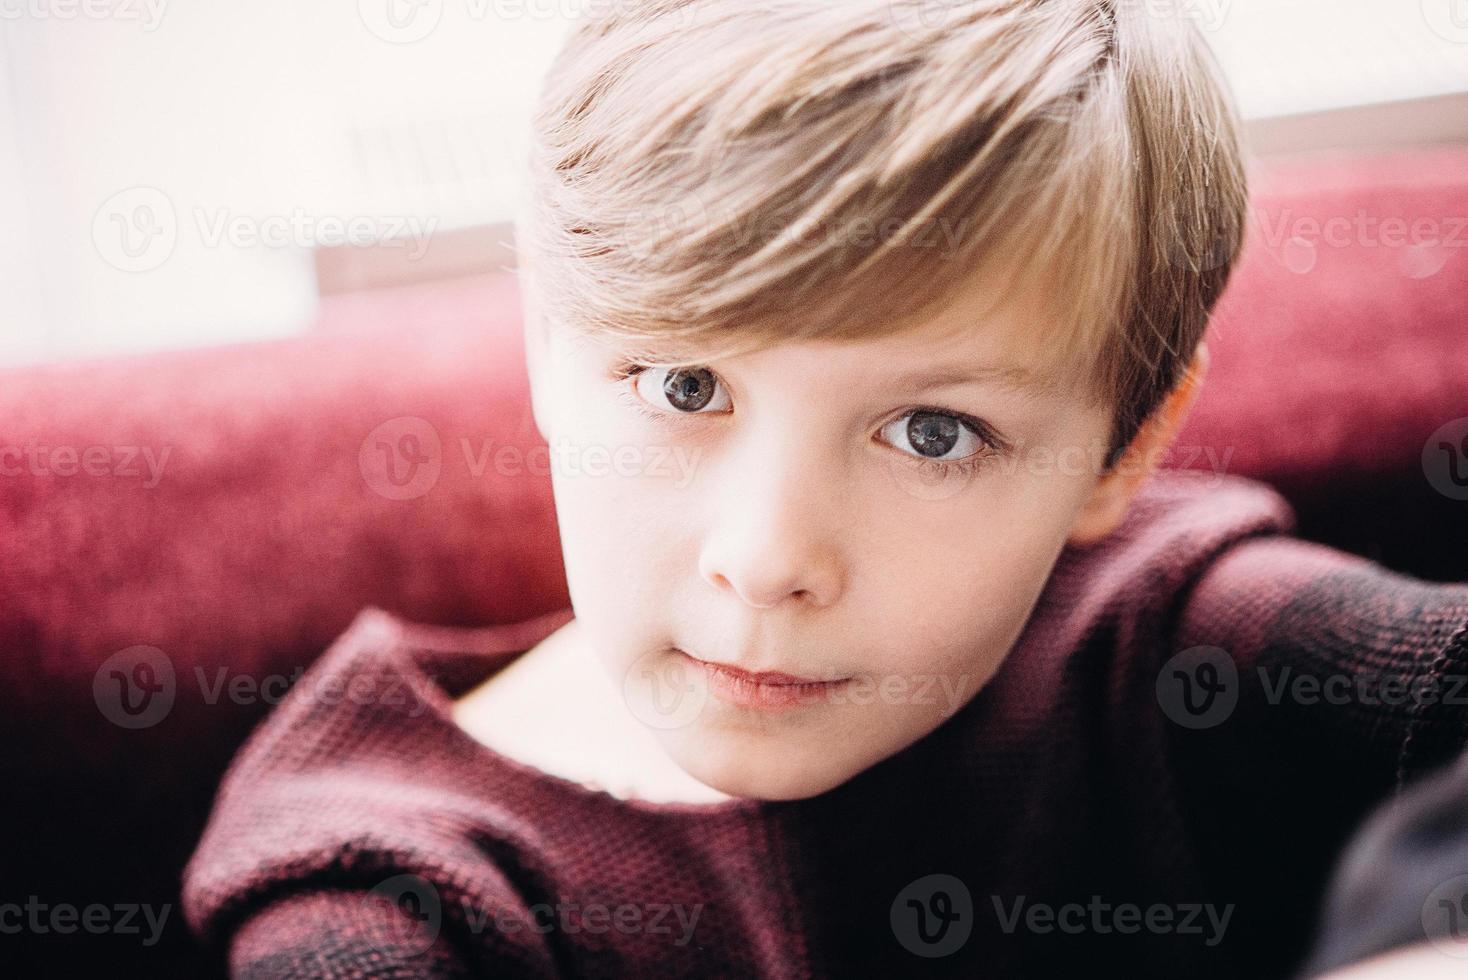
[(1114, 802)]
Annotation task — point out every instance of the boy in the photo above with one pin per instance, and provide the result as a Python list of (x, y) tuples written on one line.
[(918, 669)]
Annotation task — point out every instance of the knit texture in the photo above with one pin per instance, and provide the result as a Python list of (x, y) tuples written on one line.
[(1146, 757)]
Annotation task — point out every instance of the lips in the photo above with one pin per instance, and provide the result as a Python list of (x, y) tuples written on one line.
[(764, 690), (773, 678)]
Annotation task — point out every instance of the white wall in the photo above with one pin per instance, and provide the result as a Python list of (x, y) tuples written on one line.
[(274, 115)]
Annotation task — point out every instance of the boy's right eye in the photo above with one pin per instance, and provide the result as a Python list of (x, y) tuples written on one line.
[(677, 391)]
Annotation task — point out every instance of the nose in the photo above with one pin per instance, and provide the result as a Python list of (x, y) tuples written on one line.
[(774, 535)]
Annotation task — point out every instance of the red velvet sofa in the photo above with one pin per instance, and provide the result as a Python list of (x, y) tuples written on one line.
[(241, 553)]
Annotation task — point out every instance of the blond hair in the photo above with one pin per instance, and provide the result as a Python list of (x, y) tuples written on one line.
[(717, 176)]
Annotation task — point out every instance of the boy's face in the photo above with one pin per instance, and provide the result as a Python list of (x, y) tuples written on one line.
[(777, 512)]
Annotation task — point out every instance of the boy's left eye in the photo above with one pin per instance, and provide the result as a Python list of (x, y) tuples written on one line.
[(937, 436)]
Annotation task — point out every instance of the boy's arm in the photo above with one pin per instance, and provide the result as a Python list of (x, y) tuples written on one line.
[(1324, 661), (399, 929), (331, 933), (323, 859), (1323, 682)]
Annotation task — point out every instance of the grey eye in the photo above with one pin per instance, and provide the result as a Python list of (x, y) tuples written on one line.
[(684, 390), (932, 435)]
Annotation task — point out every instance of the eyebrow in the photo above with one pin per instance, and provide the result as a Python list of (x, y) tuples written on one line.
[(1009, 377)]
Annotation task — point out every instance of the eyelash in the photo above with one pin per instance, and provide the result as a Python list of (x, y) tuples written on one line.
[(626, 372)]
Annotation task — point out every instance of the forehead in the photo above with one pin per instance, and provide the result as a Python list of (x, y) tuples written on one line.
[(1000, 327), (995, 329)]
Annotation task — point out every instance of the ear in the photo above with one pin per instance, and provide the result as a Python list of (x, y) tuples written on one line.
[(1111, 495)]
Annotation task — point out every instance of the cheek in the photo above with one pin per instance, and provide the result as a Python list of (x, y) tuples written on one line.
[(963, 578), (960, 624), (621, 540)]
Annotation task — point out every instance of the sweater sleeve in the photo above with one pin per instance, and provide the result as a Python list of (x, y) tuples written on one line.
[(1300, 688), (1322, 660), (343, 841), (337, 933)]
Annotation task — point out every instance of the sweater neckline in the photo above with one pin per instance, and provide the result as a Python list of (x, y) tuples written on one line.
[(499, 645)]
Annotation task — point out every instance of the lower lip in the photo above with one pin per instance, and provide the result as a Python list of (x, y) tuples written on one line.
[(739, 690)]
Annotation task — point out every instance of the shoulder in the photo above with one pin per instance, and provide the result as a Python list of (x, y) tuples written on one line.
[(337, 782), (1178, 527), (1311, 649), (1205, 569), (1103, 625), (1184, 517)]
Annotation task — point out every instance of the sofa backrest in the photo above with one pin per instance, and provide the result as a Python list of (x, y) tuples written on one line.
[(229, 510)]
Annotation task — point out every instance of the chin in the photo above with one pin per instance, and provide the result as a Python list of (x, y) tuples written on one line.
[(777, 782)]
